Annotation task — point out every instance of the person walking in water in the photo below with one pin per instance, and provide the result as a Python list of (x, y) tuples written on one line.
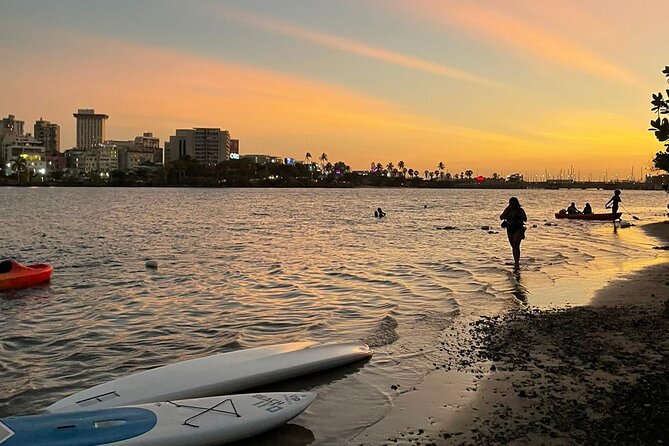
[(514, 221), (379, 213), (614, 202)]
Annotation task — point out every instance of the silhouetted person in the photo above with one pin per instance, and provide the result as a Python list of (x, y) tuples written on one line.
[(587, 210), (572, 209), (614, 201), (514, 221), (6, 266), (379, 213)]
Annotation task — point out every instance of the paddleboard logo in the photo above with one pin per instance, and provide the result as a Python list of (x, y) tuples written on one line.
[(271, 405), (293, 398), (5, 433)]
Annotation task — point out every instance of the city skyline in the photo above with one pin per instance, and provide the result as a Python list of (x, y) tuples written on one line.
[(493, 87)]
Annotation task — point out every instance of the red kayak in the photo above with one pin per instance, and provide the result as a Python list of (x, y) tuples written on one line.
[(600, 217), (15, 275)]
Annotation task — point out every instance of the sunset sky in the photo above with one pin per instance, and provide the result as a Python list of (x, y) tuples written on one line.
[(493, 86)]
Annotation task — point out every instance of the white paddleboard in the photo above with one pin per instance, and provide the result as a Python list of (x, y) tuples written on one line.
[(193, 422), (220, 374)]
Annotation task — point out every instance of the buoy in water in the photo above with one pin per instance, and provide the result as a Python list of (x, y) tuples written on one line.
[(152, 264)]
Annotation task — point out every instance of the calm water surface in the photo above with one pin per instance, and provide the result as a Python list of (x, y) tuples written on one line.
[(248, 267)]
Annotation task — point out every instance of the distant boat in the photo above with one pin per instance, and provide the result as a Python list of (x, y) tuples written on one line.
[(609, 216)]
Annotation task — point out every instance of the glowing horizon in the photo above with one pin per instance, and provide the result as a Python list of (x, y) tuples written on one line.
[(491, 87)]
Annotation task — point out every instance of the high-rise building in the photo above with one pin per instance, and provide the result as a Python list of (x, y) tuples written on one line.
[(148, 141), (49, 134), (101, 158), (208, 146), (12, 125), (10, 128), (90, 128)]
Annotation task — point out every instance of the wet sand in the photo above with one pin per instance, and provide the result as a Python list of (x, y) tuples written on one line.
[(594, 374)]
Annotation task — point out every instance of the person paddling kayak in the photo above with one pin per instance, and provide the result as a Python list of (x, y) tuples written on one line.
[(614, 202)]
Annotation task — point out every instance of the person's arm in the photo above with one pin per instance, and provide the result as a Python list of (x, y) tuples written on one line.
[(503, 214), (524, 215), (608, 202)]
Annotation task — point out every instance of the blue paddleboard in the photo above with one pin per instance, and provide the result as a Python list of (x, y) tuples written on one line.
[(87, 428)]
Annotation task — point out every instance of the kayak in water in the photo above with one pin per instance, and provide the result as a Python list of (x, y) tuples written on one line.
[(14, 275), (609, 216)]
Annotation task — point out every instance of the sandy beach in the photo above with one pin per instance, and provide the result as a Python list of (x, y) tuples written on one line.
[(593, 374)]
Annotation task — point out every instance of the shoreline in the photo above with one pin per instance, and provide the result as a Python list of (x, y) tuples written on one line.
[(592, 374), (425, 185)]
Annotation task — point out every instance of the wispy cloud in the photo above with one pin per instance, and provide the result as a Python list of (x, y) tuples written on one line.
[(351, 46), (498, 27), (268, 110)]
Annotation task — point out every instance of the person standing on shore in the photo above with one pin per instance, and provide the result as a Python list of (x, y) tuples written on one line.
[(614, 201), (514, 218)]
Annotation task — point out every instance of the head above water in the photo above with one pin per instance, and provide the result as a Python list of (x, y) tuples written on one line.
[(514, 203)]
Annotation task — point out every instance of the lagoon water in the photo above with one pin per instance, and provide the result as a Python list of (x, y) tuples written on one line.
[(241, 268)]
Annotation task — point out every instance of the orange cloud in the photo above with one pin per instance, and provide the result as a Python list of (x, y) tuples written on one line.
[(500, 27), (352, 46), (145, 88)]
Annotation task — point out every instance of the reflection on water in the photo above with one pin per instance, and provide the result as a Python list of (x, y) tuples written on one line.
[(519, 291), (248, 267)]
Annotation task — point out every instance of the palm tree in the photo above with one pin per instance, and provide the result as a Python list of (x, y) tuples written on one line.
[(400, 167), (307, 160), (462, 175), (19, 165), (448, 175), (469, 174), (410, 172), (390, 166), (323, 158), (427, 173), (441, 168)]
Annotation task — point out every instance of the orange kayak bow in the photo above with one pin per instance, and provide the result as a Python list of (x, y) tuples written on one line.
[(15, 275)]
